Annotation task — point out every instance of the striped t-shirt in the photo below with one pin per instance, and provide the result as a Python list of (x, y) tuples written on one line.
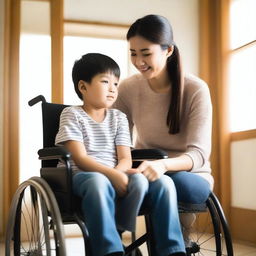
[(99, 139)]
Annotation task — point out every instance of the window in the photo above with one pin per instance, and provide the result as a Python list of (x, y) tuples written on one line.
[(242, 65), (35, 79)]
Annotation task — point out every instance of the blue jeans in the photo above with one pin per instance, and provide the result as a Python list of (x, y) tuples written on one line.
[(161, 200), (191, 188), (104, 212)]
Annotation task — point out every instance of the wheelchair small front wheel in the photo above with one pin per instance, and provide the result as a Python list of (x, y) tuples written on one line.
[(206, 235), (34, 226)]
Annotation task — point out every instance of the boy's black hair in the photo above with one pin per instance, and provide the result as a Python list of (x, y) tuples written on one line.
[(90, 65)]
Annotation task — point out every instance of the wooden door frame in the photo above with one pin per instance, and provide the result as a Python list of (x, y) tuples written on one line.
[(11, 89), (213, 68), (11, 104)]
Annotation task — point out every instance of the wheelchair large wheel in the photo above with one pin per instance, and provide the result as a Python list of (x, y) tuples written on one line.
[(209, 235), (34, 226)]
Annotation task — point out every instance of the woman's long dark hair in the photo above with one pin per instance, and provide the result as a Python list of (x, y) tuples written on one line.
[(158, 30)]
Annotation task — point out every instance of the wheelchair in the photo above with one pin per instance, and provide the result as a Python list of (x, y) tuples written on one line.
[(42, 205)]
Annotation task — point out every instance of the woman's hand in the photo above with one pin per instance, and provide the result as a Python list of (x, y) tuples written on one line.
[(119, 181), (152, 170)]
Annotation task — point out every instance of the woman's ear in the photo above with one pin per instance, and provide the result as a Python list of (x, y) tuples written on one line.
[(170, 50)]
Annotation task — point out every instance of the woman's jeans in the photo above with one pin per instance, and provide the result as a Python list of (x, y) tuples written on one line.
[(104, 212), (190, 187)]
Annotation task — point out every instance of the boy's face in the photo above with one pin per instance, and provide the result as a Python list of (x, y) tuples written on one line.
[(101, 92)]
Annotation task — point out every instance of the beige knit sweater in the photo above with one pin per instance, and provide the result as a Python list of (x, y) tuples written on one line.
[(147, 110)]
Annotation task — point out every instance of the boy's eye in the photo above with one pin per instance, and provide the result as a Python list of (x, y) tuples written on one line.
[(105, 81), (116, 84)]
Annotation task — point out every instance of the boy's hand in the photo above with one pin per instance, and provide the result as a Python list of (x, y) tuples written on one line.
[(133, 171), (120, 182)]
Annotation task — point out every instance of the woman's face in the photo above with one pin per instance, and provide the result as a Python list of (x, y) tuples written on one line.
[(149, 58)]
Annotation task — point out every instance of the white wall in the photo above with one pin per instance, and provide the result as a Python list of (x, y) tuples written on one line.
[(183, 15), (1, 107)]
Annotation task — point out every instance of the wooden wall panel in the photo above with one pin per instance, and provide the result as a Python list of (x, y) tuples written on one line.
[(11, 103), (57, 28)]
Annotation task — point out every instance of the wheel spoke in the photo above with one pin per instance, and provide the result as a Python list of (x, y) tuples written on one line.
[(34, 207)]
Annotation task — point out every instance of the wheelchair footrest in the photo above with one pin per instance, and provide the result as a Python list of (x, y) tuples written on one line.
[(136, 244)]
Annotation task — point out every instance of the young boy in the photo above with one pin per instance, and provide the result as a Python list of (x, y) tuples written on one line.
[(99, 140)]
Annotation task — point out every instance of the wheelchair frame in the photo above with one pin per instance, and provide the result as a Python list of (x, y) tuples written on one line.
[(53, 204)]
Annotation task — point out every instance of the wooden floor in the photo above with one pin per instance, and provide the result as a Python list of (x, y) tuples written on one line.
[(240, 249), (75, 248)]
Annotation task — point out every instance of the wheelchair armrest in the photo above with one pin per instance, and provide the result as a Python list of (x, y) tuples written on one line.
[(148, 154), (59, 178), (51, 153)]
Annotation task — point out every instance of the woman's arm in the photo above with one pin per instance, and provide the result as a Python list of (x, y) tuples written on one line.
[(199, 126), (180, 163), (86, 163)]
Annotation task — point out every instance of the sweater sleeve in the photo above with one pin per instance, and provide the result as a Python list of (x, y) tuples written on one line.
[(199, 127)]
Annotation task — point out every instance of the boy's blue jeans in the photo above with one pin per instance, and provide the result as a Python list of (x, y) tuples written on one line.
[(104, 212)]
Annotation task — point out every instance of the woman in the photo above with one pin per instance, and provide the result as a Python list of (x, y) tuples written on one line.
[(169, 110)]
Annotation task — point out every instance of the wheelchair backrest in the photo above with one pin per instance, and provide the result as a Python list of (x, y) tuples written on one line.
[(51, 119)]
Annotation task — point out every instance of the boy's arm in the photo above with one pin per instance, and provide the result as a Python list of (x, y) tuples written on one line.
[(86, 163), (124, 158)]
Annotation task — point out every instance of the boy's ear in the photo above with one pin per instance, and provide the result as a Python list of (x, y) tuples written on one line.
[(81, 85)]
